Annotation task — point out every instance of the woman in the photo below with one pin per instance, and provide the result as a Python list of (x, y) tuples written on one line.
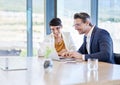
[(62, 41)]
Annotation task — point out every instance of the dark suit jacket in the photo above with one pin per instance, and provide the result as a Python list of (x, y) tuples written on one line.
[(101, 46)]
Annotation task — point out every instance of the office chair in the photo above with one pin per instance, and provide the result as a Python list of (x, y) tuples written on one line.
[(117, 58), (12, 52)]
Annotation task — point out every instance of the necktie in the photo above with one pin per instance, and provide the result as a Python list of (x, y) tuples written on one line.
[(85, 38)]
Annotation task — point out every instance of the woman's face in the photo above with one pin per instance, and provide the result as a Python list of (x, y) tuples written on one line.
[(56, 30)]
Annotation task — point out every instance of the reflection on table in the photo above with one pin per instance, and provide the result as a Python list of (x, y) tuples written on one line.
[(61, 73)]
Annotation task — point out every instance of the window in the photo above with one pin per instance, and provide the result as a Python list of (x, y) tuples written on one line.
[(109, 19), (66, 10), (38, 24), (13, 26)]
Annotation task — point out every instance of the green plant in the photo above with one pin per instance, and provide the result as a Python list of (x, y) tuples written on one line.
[(48, 52)]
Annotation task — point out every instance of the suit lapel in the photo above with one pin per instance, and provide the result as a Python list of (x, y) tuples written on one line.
[(92, 38)]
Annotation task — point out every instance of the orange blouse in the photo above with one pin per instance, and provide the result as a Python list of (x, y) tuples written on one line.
[(59, 46)]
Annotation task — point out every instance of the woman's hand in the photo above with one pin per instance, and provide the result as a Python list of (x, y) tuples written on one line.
[(62, 51)]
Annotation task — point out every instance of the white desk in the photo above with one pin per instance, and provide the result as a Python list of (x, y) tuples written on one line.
[(61, 74)]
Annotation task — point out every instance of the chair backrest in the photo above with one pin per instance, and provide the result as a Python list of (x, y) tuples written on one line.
[(117, 58), (12, 52)]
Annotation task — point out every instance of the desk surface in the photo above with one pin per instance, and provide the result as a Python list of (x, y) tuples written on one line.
[(61, 73)]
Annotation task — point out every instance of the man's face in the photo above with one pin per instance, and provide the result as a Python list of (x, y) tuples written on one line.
[(56, 30), (80, 26)]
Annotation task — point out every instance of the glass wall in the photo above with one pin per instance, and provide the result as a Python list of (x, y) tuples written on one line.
[(12, 27), (38, 24), (109, 19), (66, 9)]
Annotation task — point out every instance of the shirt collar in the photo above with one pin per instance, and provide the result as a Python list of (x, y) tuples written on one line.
[(90, 32)]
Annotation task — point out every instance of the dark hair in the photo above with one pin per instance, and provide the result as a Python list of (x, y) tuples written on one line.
[(55, 22), (84, 16)]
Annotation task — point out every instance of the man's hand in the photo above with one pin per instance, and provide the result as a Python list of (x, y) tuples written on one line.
[(72, 55)]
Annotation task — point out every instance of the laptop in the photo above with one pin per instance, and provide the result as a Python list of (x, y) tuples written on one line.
[(54, 56)]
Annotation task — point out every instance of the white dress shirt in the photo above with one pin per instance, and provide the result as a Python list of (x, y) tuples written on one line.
[(88, 42)]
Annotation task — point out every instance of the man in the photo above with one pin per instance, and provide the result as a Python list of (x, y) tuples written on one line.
[(97, 42)]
